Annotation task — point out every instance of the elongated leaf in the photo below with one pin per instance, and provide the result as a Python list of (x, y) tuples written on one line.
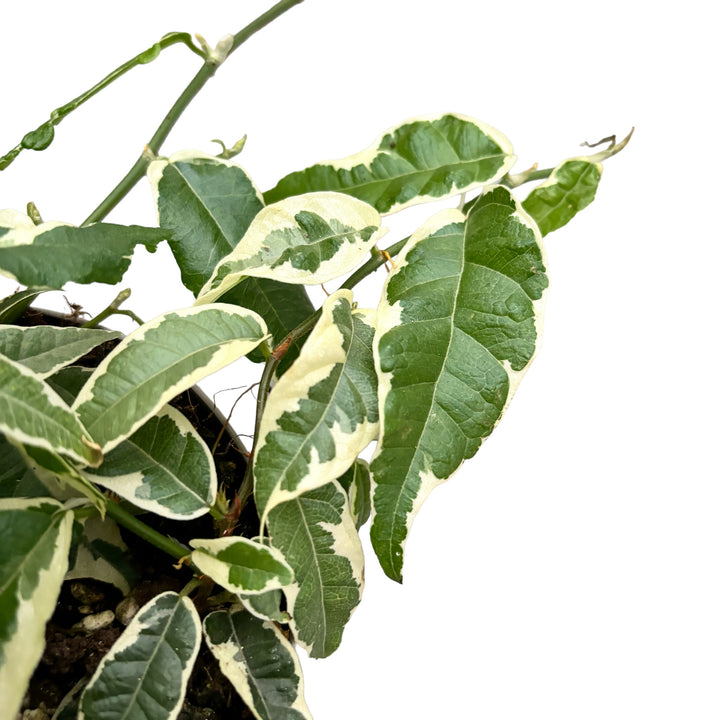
[(159, 360), (304, 240), (13, 306), (422, 159), (32, 413), (570, 188), (208, 203), (165, 467), (356, 484), (45, 349), (35, 537), (316, 533), (241, 565), (260, 663), (16, 478), (457, 328), (144, 676), (52, 254), (322, 412)]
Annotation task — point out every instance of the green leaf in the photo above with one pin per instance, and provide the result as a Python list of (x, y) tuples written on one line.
[(457, 327), (422, 159), (260, 663), (52, 254), (13, 306), (45, 349), (160, 359), (208, 204), (241, 565), (16, 478), (35, 537), (570, 188), (322, 412), (316, 533), (164, 467), (145, 673), (266, 606), (32, 413), (304, 240), (356, 484)]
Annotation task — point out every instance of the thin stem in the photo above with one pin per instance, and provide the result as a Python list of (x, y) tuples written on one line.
[(114, 309), (194, 87)]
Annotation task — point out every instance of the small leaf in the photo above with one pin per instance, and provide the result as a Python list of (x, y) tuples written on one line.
[(316, 534), (160, 359), (417, 161), (52, 254), (266, 606), (164, 467), (145, 674), (32, 413), (40, 138), (570, 188), (260, 663), (241, 565), (304, 240), (457, 328), (322, 412), (45, 349), (35, 537), (13, 306), (16, 478), (356, 484)]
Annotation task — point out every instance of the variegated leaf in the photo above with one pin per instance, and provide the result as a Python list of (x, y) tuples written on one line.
[(53, 254), (570, 188), (316, 534), (164, 467), (35, 537), (322, 412), (45, 348), (16, 478), (241, 565), (160, 359), (356, 484), (266, 606), (13, 306), (260, 663), (32, 413), (307, 240), (457, 327), (422, 159), (144, 675)]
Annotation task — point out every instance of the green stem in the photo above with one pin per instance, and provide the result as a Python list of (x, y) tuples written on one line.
[(114, 309), (194, 87)]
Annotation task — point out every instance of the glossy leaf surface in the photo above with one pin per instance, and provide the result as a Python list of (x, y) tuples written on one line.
[(356, 483)]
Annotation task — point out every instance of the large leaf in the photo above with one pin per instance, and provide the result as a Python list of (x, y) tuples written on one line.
[(260, 663), (457, 328), (570, 188), (164, 467), (45, 348), (208, 203), (160, 359), (322, 412), (304, 240), (35, 537), (32, 413), (52, 254), (241, 565), (316, 534), (422, 159), (145, 673)]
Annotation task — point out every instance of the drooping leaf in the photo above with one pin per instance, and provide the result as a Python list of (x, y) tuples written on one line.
[(457, 327), (356, 484), (160, 359), (241, 565), (32, 413), (13, 306), (304, 240), (260, 663), (208, 203), (322, 412), (570, 188), (45, 348), (164, 467), (316, 534), (145, 673), (35, 537), (421, 159), (52, 254)]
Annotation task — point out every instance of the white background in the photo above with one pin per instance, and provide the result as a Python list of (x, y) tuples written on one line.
[(570, 570)]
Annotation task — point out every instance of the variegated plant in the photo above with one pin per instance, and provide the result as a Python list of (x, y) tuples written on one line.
[(424, 377)]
